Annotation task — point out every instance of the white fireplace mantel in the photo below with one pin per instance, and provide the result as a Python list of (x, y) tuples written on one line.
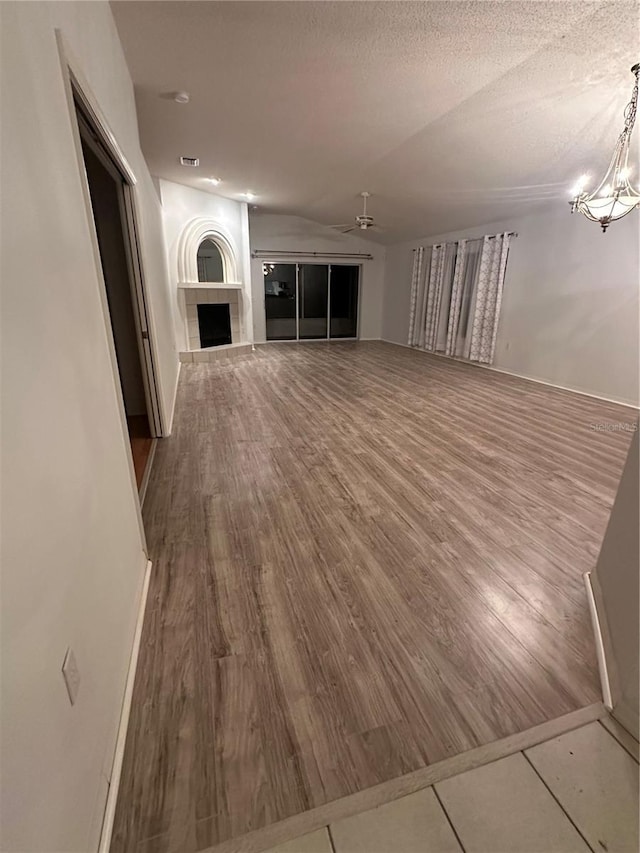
[(210, 285)]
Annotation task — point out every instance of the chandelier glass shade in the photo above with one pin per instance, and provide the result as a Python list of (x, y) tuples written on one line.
[(614, 196)]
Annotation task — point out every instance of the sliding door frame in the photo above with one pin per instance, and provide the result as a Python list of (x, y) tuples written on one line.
[(297, 303), (329, 303), (360, 267), (275, 259)]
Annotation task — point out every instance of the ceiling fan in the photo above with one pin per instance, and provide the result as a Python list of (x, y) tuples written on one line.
[(362, 221)]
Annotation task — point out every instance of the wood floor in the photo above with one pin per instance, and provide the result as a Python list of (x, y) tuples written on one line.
[(366, 559), (141, 444)]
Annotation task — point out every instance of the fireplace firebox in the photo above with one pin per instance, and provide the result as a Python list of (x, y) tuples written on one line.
[(214, 322)]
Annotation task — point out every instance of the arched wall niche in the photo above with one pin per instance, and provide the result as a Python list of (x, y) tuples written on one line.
[(192, 236)]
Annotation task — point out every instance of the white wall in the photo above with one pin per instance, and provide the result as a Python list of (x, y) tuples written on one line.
[(182, 204), (72, 549), (615, 583), (570, 305), (296, 234)]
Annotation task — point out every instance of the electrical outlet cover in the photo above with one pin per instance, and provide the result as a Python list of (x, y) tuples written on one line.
[(71, 675)]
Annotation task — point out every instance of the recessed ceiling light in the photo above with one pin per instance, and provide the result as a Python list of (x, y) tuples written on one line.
[(249, 196), (214, 181), (181, 97)]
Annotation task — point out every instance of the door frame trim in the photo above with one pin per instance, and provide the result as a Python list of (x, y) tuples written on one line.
[(74, 80), (93, 139), (93, 124)]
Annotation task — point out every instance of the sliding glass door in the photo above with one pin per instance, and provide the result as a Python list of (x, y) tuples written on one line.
[(343, 301), (310, 301), (313, 293), (280, 299)]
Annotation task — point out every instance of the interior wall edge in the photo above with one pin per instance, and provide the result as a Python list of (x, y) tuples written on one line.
[(72, 553), (620, 402), (616, 583), (118, 755), (624, 714), (598, 625)]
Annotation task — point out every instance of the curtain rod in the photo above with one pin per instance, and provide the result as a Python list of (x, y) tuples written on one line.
[(273, 253), (492, 237)]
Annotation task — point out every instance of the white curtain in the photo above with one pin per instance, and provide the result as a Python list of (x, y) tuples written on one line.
[(434, 295), (460, 314), (416, 274), (488, 298), (419, 279), (456, 293)]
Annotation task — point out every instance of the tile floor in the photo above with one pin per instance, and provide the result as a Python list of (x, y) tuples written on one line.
[(577, 792)]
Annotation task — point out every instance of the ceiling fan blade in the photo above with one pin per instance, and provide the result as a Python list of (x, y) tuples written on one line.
[(352, 228), (341, 225)]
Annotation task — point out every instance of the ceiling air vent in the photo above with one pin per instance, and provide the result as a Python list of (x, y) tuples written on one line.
[(189, 161)]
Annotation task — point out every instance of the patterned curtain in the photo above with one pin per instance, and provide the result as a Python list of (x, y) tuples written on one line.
[(456, 299), (417, 286), (433, 296), (488, 297), (456, 294), (426, 292), (422, 307)]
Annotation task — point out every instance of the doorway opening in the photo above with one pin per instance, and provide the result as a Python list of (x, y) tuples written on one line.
[(113, 215)]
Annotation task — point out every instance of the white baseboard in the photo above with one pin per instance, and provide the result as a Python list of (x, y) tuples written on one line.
[(559, 387), (168, 427), (624, 714), (516, 375), (112, 797), (397, 344), (605, 683), (625, 738), (147, 472)]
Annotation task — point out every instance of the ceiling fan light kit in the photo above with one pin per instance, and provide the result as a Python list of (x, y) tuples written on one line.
[(614, 196), (362, 221)]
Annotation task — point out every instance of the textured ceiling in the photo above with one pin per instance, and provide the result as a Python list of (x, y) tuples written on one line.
[(450, 113)]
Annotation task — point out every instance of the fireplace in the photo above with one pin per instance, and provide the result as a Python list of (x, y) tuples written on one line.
[(209, 329), (214, 324)]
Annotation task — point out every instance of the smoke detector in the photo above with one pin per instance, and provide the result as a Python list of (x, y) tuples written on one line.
[(189, 161)]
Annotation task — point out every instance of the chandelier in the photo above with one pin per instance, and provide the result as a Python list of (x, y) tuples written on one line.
[(614, 196)]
